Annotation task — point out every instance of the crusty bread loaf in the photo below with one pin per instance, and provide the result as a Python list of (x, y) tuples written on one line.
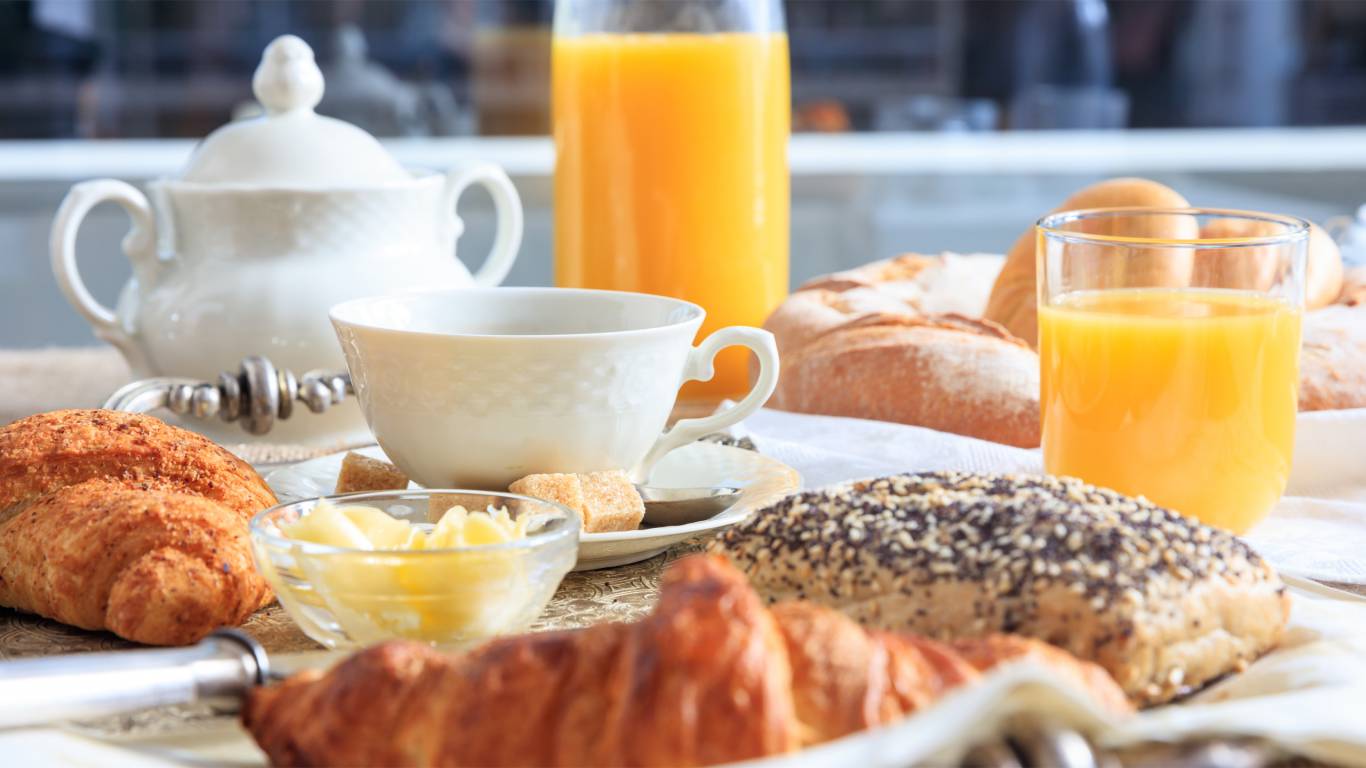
[(924, 285), (1014, 297), (910, 285), (1333, 359), (946, 372), (1163, 603)]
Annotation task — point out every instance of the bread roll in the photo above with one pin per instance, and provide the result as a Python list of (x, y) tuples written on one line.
[(1324, 280), (946, 372), (1163, 603), (1333, 359), (1255, 267), (1014, 297)]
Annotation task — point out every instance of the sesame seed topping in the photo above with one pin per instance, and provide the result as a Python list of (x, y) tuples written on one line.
[(1012, 535)]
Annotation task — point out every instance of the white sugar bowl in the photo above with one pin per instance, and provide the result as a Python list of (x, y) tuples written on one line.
[(274, 220)]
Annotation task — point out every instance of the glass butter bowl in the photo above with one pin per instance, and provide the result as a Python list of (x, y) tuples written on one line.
[(449, 597)]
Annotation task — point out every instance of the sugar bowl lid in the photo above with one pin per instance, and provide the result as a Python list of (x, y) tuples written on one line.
[(291, 146)]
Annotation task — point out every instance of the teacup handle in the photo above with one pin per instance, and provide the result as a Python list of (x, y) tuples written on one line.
[(509, 208), (699, 368), (139, 245)]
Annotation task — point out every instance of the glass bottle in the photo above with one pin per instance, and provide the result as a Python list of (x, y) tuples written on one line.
[(671, 121)]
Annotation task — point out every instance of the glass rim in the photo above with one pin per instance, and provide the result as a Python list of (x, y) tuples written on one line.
[(567, 524), (1051, 226)]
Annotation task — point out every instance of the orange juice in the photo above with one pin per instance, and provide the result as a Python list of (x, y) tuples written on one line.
[(671, 174), (1187, 397)]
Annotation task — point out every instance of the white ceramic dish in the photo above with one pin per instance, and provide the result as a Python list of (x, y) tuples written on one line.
[(274, 220), (761, 480)]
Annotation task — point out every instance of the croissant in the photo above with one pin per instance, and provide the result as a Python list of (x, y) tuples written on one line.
[(150, 566), (711, 676), (48, 451)]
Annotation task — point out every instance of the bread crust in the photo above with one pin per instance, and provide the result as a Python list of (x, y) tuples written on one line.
[(1161, 602), (48, 451), (1333, 359), (947, 372), (910, 285), (150, 566)]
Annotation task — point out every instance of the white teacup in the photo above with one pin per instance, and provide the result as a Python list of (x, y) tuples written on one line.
[(477, 387)]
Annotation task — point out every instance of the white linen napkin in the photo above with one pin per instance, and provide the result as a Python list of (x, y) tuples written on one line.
[(1317, 531)]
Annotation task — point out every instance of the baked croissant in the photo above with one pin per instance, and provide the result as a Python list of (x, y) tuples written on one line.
[(150, 566), (711, 676), (122, 522), (48, 451)]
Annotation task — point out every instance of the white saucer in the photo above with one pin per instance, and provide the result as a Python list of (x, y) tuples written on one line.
[(761, 481)]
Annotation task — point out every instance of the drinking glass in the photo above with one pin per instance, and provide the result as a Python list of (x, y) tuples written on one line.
[(671, 121), (1169, 347)]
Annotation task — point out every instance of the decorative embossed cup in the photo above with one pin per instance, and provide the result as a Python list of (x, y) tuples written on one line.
[(478, 387)]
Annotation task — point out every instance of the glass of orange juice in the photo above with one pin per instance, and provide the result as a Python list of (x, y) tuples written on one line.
[(1169, 345), (671, 121)]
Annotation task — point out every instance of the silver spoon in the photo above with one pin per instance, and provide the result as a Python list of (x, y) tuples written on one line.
[(680, 506)]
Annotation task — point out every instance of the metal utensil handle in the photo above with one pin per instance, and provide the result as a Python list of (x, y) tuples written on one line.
[(220, 669), (256, 394)]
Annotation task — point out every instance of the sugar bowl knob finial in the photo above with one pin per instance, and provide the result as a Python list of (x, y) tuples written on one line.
[(288, 78)]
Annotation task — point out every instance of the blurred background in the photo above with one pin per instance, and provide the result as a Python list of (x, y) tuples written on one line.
[(919, 125)]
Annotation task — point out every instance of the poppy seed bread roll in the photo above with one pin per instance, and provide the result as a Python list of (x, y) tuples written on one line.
[(1160, 601)]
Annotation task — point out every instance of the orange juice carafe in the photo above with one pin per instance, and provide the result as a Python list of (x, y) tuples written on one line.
[(671, 124)]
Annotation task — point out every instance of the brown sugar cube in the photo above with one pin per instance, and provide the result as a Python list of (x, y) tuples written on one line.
[(614, 503), (362, 473), (559, 488), (606, 501), (438, 504)]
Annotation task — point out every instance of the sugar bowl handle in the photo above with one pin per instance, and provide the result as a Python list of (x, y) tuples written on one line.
[(509, 212), (139, 246)]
